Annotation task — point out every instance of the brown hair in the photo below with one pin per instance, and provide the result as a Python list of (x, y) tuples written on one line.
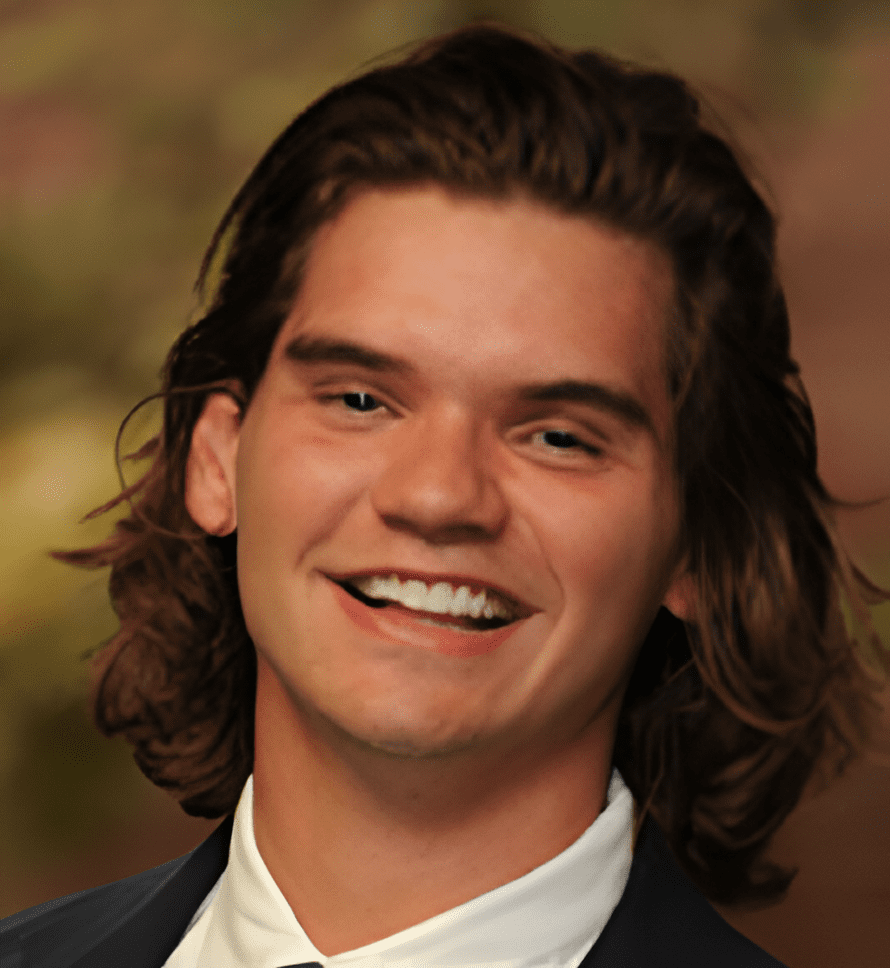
[(725, 718)]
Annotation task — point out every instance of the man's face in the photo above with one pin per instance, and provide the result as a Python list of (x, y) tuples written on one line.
[(471, 396)]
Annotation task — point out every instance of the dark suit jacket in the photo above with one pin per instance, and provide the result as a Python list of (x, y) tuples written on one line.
[(661, 920)]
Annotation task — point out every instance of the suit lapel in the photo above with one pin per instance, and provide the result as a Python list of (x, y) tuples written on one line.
[(146, 936), (663, 921), (618, 946)]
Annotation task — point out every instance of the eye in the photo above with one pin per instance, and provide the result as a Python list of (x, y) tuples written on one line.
[(563, 440), (360, 401)]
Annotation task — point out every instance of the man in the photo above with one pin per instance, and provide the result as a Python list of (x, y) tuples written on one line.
[(495, 392)]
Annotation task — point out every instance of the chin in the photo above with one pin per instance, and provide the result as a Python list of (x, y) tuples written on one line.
[(408, 741), (417, 749)]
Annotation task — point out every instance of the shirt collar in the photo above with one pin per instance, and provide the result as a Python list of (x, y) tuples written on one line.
[(549, 917)]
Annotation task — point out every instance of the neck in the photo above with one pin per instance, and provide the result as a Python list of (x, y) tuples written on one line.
[(349, 832)]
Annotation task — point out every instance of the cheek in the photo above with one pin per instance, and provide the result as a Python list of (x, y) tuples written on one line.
[(614, 554), (294, 488)]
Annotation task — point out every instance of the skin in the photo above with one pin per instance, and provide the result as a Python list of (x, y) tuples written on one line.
[(387, 756)]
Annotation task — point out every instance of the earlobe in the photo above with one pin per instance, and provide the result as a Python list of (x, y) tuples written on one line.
[(680, 598), (210, 470)]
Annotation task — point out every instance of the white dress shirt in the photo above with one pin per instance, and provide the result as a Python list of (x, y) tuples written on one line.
[(549, 917)]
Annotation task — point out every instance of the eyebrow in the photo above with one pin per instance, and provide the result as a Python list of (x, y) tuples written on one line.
[(319, 350), (615, 402)]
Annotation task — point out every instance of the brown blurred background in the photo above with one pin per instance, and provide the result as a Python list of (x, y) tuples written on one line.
[(125, 127)]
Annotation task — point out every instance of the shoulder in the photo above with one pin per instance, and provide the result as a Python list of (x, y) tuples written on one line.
[(147, 912), (663, 920), (38, 930)]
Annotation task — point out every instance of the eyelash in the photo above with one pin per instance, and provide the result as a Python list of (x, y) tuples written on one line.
[(578, 444)]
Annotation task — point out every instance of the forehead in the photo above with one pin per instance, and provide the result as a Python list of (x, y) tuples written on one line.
[(494, 290)]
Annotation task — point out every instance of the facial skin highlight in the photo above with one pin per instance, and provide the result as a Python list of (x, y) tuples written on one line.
[(472, 392)]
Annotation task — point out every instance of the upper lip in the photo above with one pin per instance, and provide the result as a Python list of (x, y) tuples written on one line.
[(476, 584)]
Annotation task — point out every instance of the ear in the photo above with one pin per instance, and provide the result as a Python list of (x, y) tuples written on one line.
[(210, 470), (680, 597)]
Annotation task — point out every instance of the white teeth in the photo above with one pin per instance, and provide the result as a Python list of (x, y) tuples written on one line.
[(441, 598), (477, 604), (413, 594), (460, 602)]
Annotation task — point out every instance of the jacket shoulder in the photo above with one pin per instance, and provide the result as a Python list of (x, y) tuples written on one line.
[(92, 927), (663, 920), (79, 917)]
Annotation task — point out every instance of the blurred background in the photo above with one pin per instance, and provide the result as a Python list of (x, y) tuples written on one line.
[(126, 126)]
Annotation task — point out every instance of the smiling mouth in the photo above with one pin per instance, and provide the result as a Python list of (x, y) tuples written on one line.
[(463, 623)]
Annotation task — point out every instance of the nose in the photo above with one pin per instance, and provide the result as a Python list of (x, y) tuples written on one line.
[(440, 483)]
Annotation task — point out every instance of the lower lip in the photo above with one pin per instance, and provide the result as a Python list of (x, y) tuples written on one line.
[(399, 625)]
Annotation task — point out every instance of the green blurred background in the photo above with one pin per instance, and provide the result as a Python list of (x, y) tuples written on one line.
[(125, 127)]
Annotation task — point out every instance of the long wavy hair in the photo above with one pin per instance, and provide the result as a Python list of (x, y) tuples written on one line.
[(724, 719)]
